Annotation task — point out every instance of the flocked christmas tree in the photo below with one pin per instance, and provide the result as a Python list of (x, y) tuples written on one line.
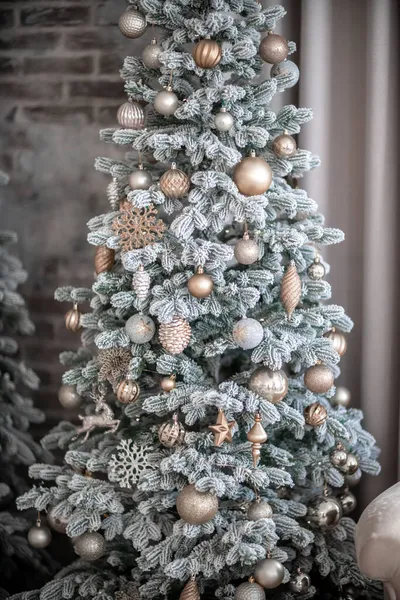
[(21, 566), (215, 453)]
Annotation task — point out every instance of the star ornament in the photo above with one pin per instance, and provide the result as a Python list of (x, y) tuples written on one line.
[(222, 429)]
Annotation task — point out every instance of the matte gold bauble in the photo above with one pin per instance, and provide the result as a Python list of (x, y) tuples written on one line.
[(252, 175), (246, 250), (259, 510), (339, 342), (207, 54), (269, 573), (39, 536), (168, 384), (257, 436), (196, 507), (290, 289), (127, 391), (166, 102), (319, 379), (69, 397), (190, 591), (200, 285), (271, 385), (73, 319), (104, 259), (315, 414), (140, 179), (284, 146), (174, 183), (273, 48), (175, 335)]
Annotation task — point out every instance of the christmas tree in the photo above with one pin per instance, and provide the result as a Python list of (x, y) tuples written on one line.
[(215, 454), (21, 566)]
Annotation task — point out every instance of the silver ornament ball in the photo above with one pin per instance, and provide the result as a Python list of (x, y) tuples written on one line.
[(140, 179), (351, 465), (132, 23), (90, 545), (248, 333), (223, 120), (347, 501), (166, 102), (316, 270), (271, 385), (324, 512), (69, 397), (249, 591), (130, 115), (342, 397), (338, 457), (289, 69), (259, 510), (353, 479), (57, 523), (246, 251), (269, 573), (150, 55), (140, 329), (300, 583), (39, 536)]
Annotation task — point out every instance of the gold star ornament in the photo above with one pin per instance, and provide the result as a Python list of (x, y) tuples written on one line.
[(222, 429)]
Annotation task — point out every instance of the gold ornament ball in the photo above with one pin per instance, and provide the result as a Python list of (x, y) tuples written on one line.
[(171, 433), (196, 507), (252, 176), (207, 54), (269, 573), (271, 385), (273, 48), (353, 479), (132, 23), (73, 320), (200, 285), (166, 102), (104, 259), (316, 271), (250, 590), (259, 510), (246, 250), (69, 397), (284, 146), (140, 179), (57, 523), (175, 335), (174, 183), (339, 342), (128, 391), (315, 414), (39, 536), (342, 397), (168, 384), (318, 379)]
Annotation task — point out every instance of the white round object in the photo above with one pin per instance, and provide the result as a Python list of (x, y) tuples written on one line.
[(246, 251), (223, 120), (132, 23), (140, 179), (287, 68), (140, 329), (131, 115), (248, 333), (166, 102), (150, 55)]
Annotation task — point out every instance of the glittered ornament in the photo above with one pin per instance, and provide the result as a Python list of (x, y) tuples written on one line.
[(273, 48), (259, 509), (171, 433), (175, 335), (222, 429), (127, 391), (150, 55), (104, 259), (190, 591), (316, 271), (114, 363), (351, 465), (129, 592), (288, 69), (319, 379), (140, 179), (223, 120), (315, 414), (299, 583), (58, 523), (339, 342), (257, 436), (353, 479), (141, 283), (69, 397), (324, 513), (269, 573), (284, 146), (166, 102), (132, 23), (249, 591), (174, 183), (246, 250), (73, 319), (196, 507), (130, 115), (39, 536), (252, 175), (207, 54), (90, 545), (338, 456), (271, 385), (290, 289), (168, 384), (248, 333), (347, 501), (140, 329), (342, 397), (200, 285)]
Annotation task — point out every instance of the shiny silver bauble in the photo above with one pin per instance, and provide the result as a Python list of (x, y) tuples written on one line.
[(150, 55), (223, 120), (39, 536), (140, 179), (300, 583), (288, 68), (269, 573), (259, 510), (69, 397), (324, 513), (338, 457), (351, 465), (90, 545), (342, 397), (132, 23), (248, 333), (353, 479), (249, 591), (348, 501), (166, 102)]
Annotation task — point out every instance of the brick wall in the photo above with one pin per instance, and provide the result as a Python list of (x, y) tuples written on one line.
[(59, 84)]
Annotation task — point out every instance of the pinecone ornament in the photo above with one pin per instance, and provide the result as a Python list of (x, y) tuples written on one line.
[(175, 336), (290, 289), (141, 283), (190, 591)]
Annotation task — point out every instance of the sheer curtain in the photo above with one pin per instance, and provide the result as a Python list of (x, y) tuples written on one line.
[(348, 53)]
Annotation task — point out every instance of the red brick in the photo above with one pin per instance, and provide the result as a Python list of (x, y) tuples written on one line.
[(10, 66), (96, 89), (29, 41), (70, 16), (62, 65), (110, 64), (58, 114), (31, 90), (6, 18)]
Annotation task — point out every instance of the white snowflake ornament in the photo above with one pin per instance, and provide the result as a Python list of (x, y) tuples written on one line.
[(129, 463)]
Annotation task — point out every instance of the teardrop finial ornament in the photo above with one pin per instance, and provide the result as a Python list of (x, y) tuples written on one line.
[(257, 436)]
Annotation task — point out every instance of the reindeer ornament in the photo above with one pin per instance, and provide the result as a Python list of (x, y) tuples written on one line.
[(104, 419)]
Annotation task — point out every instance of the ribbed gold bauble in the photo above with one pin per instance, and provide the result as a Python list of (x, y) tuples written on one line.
[(190, 591), (273, 48), (72, 319), (168, 384), (271, 385), (200, 285), (290, 289), (174, 183), (175, 335), (252, 175), (207, 54), (127, 391), (339, 342), (284, 146), (130, 115), (257, 436), (315, 414), (196, 507), (104, 259), (318, 379)]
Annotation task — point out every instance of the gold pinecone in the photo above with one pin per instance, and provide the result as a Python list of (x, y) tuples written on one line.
[(175, 336), (290, 289)]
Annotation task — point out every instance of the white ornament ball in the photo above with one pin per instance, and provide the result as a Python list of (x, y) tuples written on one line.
[(287, 68), (166, 102), (150, 55), (140, 179), (342, 397), (248, 333), (90, 545), (269, 573), (140, 329), (130, 115), (223, 120), (249, 591), (39, 536), (132, 23), (69, 397)]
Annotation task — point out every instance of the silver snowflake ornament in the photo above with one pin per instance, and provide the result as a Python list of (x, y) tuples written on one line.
[(129, 463)]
